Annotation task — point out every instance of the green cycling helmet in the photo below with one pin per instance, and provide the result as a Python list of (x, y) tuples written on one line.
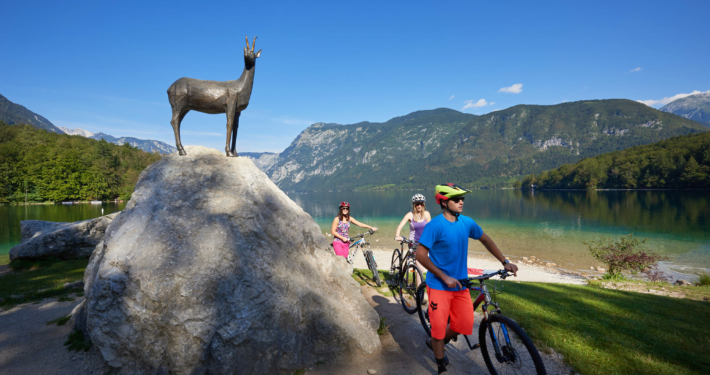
[(446, 191)]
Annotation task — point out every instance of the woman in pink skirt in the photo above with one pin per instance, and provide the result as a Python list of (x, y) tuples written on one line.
[(341, 228)]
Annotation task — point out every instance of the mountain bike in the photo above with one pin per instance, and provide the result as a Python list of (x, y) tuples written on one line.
[(358, 242), (406, 276), (505, 346)]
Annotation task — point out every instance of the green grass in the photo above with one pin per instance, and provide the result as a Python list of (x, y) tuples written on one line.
[(383, 327), (606, 331), (62, 320), (76, 342), (4, 259), (364, 277), (37, 280), (703, 280)]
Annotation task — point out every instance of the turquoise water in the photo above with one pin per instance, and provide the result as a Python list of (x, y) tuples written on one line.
[(10, 217), (550, 225)]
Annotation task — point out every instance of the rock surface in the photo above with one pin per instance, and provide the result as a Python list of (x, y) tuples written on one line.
[(48, 239), (212, 269)]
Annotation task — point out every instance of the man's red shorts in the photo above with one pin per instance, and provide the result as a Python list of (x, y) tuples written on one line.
[(444, 304)]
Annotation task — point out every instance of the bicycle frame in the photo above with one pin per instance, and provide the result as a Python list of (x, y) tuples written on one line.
[(485, 298), (360, 242)]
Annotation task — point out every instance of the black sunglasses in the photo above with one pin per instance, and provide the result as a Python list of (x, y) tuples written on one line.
[(418, 204), (456, 200)]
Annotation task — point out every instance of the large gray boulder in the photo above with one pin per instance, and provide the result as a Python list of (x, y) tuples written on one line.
[(212, 269), (47, 239)]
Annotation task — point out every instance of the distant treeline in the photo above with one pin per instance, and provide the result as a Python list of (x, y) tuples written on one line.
[(39, 166), (680, 162)]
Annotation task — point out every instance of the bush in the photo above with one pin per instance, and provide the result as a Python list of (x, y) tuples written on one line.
[(703, 280), (624, 254)]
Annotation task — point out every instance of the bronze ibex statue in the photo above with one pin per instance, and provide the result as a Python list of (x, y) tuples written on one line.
[(230, 97)]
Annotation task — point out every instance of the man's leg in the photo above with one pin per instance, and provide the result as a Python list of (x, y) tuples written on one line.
[(439, 302)]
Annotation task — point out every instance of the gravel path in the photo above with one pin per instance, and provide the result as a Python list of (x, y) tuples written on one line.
[(383, 258), (29, 346)]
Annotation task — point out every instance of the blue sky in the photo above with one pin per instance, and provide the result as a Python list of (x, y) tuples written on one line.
[(105, 66)]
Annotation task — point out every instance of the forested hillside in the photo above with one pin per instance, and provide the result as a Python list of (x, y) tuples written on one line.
[(679, 162), (427, 147), (43, 166)]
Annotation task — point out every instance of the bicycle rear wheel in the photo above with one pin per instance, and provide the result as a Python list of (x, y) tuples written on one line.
[(411, 278), (423, 308), (372, 265), (516, 353)]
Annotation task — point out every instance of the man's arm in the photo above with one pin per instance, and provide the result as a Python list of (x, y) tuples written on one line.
[(493, 249), (423, 258)]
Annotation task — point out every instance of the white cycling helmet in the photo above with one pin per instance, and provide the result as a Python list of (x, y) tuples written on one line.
[(418, 198)]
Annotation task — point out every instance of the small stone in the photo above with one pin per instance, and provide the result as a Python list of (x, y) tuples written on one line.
[(533, 257), (526, 258), (591, 268), (549, 264), (372, 371), (601, 269), (74, 285), (682, 282)]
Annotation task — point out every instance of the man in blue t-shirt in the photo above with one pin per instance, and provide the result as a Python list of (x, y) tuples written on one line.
[(443, 251)]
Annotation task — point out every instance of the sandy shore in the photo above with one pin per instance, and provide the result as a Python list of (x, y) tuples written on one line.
[(527, 272)]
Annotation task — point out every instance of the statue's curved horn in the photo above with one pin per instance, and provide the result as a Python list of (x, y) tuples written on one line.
[(247, 38), (253, 44)]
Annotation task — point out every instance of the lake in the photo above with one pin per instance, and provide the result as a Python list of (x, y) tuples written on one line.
[(551, 225)]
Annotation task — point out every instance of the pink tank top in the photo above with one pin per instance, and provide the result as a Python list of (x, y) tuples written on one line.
[(343, 229)]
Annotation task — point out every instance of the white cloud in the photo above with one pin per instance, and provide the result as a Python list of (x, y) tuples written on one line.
[(564, 101), (476, 104), (664, 101), (515, 89), (451, 97), (636, 70)]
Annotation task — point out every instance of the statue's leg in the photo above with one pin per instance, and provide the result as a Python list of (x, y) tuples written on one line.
[(234, 133), (230, 124), (178, 115)]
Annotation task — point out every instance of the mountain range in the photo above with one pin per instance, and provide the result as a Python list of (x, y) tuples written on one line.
[(13, 114), (693, 107), (428, 147), (144, 144)]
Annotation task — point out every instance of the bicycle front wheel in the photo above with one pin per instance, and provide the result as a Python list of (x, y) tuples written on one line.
[(372, 266), (506, 348), (395, 269), (411, 278)]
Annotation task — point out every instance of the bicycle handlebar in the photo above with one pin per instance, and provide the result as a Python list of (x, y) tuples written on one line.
[(351, 239), (406, 241), (466, 283)]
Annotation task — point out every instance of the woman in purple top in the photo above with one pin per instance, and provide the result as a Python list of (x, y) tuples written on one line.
[(417, 219)]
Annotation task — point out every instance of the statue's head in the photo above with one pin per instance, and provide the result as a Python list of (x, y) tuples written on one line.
[(249, 55)]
